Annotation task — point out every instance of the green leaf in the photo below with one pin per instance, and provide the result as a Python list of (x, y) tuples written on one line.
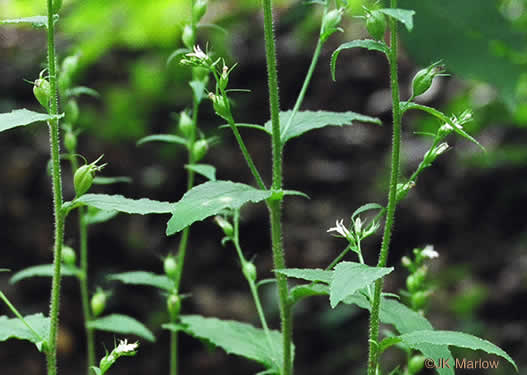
[(99, 180), (168, 138), (305, 121), (119, 203), (43, 270), (369, 44), (95, 216), (310, 274), (5, 270), (303, 291), (349, 277), (406, 17), (122, 324), (364, 208), (251, 126), (177, 53), (96, 370), (236, 338), (209, 199), (452, 338), (198, 89), (14, 328), (21, 117), (143, 278), (472, 37), (35, 21), (206, 170), (406, 320)]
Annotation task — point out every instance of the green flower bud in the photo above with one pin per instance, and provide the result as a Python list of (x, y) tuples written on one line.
[(407, 262), (42, 91), (221, 106), (423, 79), (170, 267), (416, 364), (186, 125), (376, 24), (68, 255), (83, 177), (68, 69), (412, 284), (330, 23), (173, 306), (70, 141), (225, 226), (419, 300), (72, 111), (224, 78), (420, 275), (57, 4), (98, 302), (199, 149), (199, 10), (188, 37), (249, 271)]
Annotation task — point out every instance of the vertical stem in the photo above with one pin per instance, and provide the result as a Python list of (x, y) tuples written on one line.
[(275, 206), (183, 242), (51, 352), (373, 357)]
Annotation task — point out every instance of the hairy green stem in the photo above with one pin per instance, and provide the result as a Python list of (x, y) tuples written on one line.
[(51, 352), (275, 206), (373, 357)]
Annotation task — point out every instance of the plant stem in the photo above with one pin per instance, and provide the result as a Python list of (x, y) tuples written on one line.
[(275, 206), (51, 352), (183, 242), (373, 357)]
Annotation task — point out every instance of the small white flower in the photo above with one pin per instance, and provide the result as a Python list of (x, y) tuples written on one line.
[(429, 252), (340, 229), (124, 347), (357, 225), (198, 53)]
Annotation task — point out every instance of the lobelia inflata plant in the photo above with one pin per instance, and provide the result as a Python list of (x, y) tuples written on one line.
[(343, 281)]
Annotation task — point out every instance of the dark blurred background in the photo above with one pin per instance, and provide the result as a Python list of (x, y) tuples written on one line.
[(469, 205)]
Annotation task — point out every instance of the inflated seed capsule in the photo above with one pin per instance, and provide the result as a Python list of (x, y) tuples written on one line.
[(199, 149), (188, 37), (376, 24), (331, 22), (220, 104), (419, 300), (249, 270), (424, 78), (412, 284), (225, 226), (68, 255), (199, 10), (186, 125), (170, 267), (41, 90), (416, 364), (70, 141), (83, 179), (72, 111), (98, 303), (173, 305)]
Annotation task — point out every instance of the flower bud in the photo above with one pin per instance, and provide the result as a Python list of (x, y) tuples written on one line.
[(406, 262), (416, 364), (72, 111), (224, 78), (68, 255), (83, 177), (199, 10), (412, 284), (330, 23), (249, 271), (420, 275), (42, 91), (57, 4), (170, 267), (403, 190), (98, 302), (221, 106), (419, 300), (423, 79), (186, 125), (199, 149), (225, 226), (376, 24), (173, 306), (70, 141), (188, 37)]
